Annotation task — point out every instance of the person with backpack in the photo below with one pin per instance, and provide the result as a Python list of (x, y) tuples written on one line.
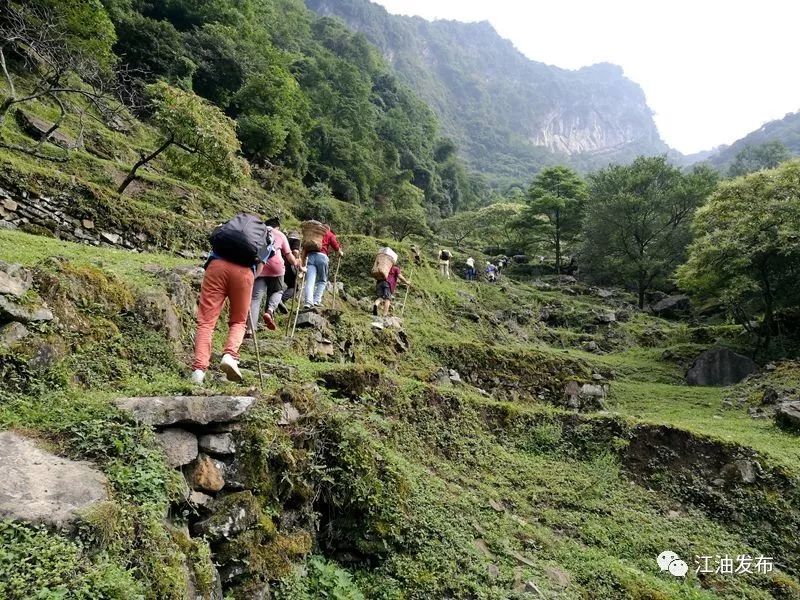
[(491, 273), (239, 247), (317, 261), (385, 289), (444, 263), (291, 274), (269, 278), (470, 269)]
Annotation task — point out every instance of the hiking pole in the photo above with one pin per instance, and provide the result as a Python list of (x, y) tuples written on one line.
[(335, 279), (258, 352), (294, 301), (403, 306), (297, 308)]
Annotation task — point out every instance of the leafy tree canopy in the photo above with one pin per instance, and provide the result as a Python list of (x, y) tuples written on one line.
[(637, 221), (755, 158), (746, 252)]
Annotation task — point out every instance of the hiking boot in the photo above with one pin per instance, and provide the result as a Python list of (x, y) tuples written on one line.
[(269, 321), (282, 308), (375, 310), (197, 376), (230, 366)]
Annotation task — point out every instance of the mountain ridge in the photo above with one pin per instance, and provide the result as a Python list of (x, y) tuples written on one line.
[(510, 114)]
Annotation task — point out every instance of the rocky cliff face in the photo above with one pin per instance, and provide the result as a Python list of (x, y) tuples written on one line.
[(508, 113)]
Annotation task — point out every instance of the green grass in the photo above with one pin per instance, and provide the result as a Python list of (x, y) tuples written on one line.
[(700, 410)]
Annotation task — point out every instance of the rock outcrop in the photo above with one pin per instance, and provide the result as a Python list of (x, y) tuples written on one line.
[(788, 415), (719, 366), (40, 487)]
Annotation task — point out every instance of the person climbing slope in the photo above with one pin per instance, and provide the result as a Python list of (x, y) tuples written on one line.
[(238, 248), (470, 269), (291, 274), (318, 241), (269, 278), (444, 263), (385, 290)]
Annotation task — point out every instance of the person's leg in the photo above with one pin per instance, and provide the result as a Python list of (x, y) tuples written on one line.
[(311, 278), (322, 278), (274, 296), (447, 269), (240, 290), (212, 297), (259, 287), (386, 305)]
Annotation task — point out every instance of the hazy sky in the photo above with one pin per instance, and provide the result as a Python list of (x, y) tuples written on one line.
[(712, 70)]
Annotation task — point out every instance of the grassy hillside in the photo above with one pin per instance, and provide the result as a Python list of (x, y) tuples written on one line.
[(423, 490)]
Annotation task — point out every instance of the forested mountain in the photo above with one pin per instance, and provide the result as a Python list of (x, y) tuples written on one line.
[(511, 115), (309, 96), (785, 130)]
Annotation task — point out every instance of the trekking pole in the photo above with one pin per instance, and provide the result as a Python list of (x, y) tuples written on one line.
[(403, 306), (297, 309), (335, 279), (258, 352)]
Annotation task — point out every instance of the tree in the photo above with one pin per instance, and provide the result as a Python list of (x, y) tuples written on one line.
[(558, 194), (637, 222), (60, 63), (459, 227), (406, 216), (755, 158), (497, 224), (746, 251), (194, 126)]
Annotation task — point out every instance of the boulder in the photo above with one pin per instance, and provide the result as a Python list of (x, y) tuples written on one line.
[(162, 411), (156, 311), (719, 366), (35, 127), (607, 318), (310, 319), (205, 474), (233, 514), (12, 311), (289, 414), (179, 445), (672, 306), (12, 333), (13, 286), (788, 415), (217, 443), (39, 487)]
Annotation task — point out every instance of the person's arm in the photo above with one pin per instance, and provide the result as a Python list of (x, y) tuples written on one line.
[(403, 279), (335, 243)]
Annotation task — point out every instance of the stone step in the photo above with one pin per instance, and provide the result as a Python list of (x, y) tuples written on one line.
[(162, 411)]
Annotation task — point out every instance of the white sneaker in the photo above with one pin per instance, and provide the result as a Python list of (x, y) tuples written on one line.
[(230, 366), (197, 377)]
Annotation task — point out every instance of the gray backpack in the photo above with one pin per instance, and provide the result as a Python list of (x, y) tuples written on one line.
[(245, 240)]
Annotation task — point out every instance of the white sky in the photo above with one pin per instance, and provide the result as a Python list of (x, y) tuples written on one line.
[(712, 70)]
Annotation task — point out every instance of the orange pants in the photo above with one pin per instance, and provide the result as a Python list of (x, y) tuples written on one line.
[(222, 280)]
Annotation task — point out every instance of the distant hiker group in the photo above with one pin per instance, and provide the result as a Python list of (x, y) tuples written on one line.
[(253, 262)]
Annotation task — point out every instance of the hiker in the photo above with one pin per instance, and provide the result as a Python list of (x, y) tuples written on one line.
[(316, 246), (470, 269), (238, 248), (270, 276), (290, 276), (417, 255), (491, 273), (444, 263), (385, 290)]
